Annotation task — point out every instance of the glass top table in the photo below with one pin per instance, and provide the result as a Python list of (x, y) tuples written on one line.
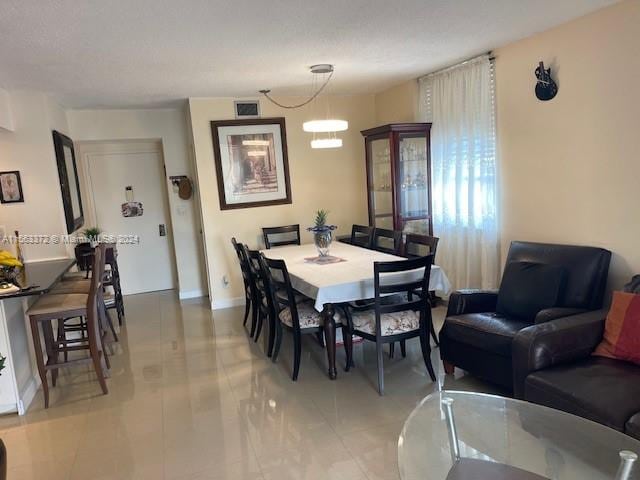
[(463, 435)]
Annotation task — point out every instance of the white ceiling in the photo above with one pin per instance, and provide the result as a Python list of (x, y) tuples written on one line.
[(149, 53)]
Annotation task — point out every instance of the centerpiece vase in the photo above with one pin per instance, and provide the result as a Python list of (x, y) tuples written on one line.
[(322, 238)]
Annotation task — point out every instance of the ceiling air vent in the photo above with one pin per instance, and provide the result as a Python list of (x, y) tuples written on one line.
[(247, 109)]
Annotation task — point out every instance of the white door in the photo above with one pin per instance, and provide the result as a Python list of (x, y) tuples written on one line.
[(146, 266)]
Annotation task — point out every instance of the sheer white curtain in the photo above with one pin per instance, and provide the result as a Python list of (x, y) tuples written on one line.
[(459, 102)]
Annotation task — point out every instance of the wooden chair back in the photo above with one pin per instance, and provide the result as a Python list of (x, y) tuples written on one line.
[(419, 286), (253, 259), (416, 245), (361, 236), (95, 299), (280, 288), (244, 263), (387, 241), (278, 236)]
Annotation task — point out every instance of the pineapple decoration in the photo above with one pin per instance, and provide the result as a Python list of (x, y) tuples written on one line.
[(322, 233), (321, 218)]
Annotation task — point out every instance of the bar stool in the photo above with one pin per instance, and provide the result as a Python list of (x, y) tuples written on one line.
[(59, 307), (72, 281), (113, 280), (83, 286)]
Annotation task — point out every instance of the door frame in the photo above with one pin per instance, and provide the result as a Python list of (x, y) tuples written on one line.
[(84, 148)]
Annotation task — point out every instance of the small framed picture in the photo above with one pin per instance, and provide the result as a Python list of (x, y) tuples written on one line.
[(11, 187)]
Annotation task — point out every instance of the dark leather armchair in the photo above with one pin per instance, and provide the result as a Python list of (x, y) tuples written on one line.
[(553, 366), (477, 339)]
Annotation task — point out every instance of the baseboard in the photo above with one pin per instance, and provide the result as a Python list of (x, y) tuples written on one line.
[(227, 303), (7, 408), (184, 294), (27, 395)]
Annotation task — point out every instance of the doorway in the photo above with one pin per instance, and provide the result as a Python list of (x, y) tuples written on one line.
[(126, 197)]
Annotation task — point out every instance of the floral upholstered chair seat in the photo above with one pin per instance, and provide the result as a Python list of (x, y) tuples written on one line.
[(392, 323), (307, 315)]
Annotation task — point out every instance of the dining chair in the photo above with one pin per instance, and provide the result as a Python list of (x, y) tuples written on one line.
[(397, 321), (262, 311), (387, 241), (298, 318), (59, 307), (278, 236), (246, 278), (416, 245), (361, 236)]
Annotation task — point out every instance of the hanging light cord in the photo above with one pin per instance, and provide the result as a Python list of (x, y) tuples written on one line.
[(313, 97)]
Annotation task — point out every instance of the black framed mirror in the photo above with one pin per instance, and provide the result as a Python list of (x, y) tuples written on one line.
[(69, 182)]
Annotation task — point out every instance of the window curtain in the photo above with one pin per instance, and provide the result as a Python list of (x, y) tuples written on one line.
[(459, 102)]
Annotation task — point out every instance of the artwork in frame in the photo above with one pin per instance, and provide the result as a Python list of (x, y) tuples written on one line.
[(69, 182), (251, 162), (11, 187)]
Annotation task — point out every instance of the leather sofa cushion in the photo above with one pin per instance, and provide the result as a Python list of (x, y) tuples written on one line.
[(486, 331), (601, 389), (528, 287), (586, 270), (632, 427)]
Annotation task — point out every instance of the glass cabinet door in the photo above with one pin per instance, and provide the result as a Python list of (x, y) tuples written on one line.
[(413, 184), (381, 183)]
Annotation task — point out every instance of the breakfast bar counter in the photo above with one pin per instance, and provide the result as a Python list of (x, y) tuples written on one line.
[(19, 381)]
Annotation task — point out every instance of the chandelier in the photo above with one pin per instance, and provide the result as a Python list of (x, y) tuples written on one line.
[(328, 125)]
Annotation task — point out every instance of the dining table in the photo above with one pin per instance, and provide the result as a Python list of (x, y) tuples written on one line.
[(347, 277)]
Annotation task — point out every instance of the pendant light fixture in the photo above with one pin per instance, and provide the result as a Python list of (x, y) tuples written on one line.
[(327, 125), (326, 143)]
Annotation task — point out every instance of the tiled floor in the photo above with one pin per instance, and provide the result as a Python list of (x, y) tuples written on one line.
[(191, 398)]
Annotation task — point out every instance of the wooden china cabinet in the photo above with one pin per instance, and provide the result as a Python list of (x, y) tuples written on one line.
[(399, 177)]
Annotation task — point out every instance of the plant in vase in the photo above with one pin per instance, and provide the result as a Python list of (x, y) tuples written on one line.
[(92, 234), (322, 233)]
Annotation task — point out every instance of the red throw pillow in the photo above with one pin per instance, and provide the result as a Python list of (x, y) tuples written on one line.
[(622, 329)]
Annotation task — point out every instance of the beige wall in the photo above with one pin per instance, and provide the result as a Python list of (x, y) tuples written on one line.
[(29, 149), (332, 179), (170, 126), (398, 104), (570, 167)]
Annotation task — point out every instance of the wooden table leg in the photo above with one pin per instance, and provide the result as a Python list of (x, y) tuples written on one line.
[(330, 338)]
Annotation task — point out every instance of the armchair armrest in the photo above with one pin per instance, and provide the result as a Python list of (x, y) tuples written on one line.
[(549, 314), (554, 342), (472, 301)]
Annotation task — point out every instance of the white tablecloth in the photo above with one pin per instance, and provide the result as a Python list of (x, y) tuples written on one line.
[(344, 281)]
